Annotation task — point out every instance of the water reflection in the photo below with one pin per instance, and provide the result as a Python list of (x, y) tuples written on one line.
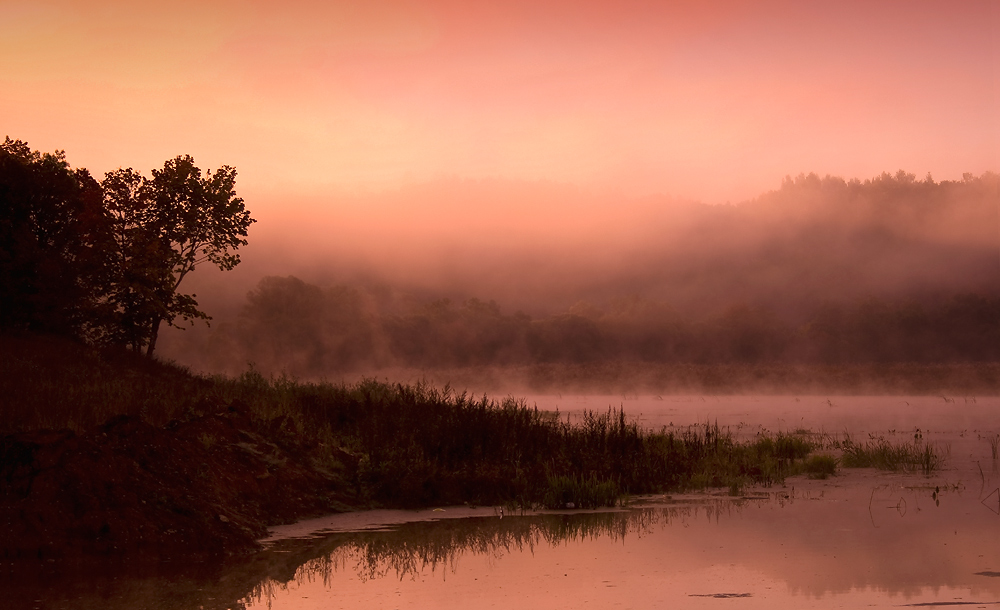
[(413, 548), (859, 539), (112, 585), (865, 539), (403, 550)]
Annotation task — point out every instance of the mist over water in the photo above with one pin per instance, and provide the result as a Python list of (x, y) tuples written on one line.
[(893, 269)]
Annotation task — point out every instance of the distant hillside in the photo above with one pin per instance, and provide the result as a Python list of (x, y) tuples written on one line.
[(822, 270)]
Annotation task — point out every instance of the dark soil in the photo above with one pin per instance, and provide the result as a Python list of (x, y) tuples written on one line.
[(205, 487)]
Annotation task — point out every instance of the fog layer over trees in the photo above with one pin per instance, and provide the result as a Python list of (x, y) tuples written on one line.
[(822, 270)]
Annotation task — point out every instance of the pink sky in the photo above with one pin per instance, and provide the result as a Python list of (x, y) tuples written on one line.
[(712, 101)]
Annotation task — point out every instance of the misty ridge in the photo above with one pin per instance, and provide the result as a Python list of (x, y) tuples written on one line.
[(892, 269)]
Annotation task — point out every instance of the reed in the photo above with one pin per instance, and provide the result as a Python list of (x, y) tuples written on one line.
[(879, 452), (820, 466), (406, 445)]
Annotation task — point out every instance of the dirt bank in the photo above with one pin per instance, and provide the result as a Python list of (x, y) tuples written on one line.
[(207, 486)]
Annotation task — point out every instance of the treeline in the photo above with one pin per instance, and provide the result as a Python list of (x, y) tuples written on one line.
[(288, 325), (894, 237), (541, 249), (102, 261)]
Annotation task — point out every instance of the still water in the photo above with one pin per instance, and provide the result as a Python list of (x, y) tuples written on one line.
[(860, 539)]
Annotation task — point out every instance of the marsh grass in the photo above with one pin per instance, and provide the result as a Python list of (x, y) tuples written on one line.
[(575, 492), (407, 445), (879, 452), (418, 445), (820, 466)]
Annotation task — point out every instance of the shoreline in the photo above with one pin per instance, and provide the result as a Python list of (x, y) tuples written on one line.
[(106, 454)]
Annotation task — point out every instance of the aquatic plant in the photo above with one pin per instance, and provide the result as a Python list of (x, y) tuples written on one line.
[(879, 452), (576, 492), (820, 466)]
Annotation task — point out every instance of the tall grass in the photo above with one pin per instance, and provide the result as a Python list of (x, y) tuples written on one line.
[(879, 452), (418, 445), (407, 445), (820, 466)]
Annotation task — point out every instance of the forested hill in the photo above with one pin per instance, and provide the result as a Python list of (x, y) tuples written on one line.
[(821, 270)]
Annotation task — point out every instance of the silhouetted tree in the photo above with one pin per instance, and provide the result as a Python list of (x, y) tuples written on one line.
[(52, 234), (163, 228)]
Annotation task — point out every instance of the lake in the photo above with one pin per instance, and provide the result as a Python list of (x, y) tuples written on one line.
[(860, 539)]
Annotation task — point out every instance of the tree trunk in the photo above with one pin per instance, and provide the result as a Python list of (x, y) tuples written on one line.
[(152, 337)]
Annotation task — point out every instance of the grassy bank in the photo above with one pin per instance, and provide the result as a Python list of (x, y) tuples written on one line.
[(419, 446), (405, 445), (410, 445)]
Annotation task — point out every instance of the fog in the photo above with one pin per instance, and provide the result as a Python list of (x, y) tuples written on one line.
[(459, 273)]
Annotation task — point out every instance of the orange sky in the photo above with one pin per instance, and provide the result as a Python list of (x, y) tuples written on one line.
[(714, 101)]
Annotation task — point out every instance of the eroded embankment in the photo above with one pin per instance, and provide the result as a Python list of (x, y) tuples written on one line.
[(206, 486)]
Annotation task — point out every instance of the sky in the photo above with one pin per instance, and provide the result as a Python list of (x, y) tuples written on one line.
[(708, 101)]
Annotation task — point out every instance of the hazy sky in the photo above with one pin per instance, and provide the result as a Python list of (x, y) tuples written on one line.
[(709, 100)]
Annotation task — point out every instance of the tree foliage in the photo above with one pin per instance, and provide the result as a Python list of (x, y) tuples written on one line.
[(164, 227), (52, 228), (104, 261)]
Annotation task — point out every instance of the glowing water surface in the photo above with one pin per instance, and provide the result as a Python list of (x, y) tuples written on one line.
[(862, 538)]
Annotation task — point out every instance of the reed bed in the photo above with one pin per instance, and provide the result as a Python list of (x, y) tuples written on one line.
[(879, 452), (418, 445), (404, 445)]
